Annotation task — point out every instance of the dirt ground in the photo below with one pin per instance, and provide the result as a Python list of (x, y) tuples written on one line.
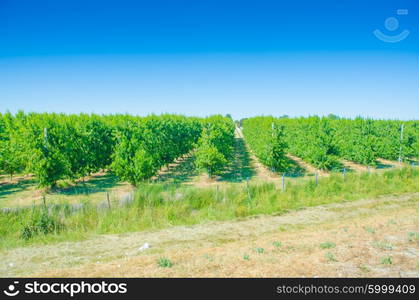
[(355, 166), (365, 238)]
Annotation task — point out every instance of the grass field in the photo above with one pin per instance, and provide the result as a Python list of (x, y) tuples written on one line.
[(241, 223)]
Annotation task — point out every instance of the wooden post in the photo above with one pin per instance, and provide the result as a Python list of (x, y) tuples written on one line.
[(317, 178)]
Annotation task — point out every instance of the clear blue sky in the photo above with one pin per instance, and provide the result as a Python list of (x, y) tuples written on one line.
[(204, 57)]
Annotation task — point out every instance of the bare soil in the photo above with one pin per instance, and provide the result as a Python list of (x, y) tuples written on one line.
[(354, 166)]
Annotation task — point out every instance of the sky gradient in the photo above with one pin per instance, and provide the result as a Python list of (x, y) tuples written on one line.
[(203, 57)]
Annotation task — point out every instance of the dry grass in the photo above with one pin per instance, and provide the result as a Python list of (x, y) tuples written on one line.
[(217, 249)]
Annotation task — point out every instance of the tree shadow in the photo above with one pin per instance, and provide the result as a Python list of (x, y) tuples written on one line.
[(181, 171), (294, 169), (380, 165), (96, 184), (240, 168), (348, 169), (7, 188), (412, 162)]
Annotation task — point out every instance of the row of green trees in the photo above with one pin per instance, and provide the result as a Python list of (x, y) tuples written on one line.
[(365, 140), (215, 145), (59, 146), (266, 138), (323, 141), (54, 146), (145, 145), (314, 140)]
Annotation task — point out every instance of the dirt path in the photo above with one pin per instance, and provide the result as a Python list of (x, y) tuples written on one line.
[(354, 166), (363, 233), (244, 166), (383, 164), (261, 171)]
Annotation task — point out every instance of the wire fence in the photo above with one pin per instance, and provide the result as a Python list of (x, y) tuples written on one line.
[(112, 200)]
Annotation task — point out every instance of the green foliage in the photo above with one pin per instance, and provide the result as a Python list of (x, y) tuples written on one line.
[(386, 260), (323, 141), (215, 145), (413, 236), (369, 229), (327, 245), (259, 250), (313, 139), (330, 257), (383, 245), (58, 146), (266, 138), (357, 141), (164, 262), (145, 145), (40, 223), (11, 159), (210, 159), (277, 244)]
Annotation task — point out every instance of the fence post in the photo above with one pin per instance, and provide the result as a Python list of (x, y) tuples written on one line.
[(401, 143), (344, 173), (317, 178), (109, 201), (283, 182)]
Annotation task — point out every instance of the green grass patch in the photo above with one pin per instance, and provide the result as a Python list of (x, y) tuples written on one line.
[(327, 245), (330, 257), (386, 260), (157, 206), (163, 262)]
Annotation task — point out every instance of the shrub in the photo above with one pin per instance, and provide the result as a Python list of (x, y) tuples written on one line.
[(40, 223), (164, 262), (327, 245)]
